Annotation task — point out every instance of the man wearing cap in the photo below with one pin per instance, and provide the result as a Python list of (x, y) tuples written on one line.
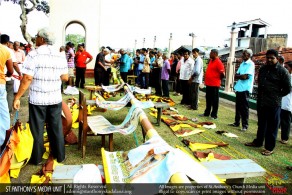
[(243, 88), (43, 71), (274, 82), (82, 57)]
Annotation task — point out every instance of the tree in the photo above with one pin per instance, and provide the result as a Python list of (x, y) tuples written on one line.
[(28, 6), (75, 39)]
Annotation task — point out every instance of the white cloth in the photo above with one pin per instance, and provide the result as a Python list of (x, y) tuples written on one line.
[(71, 90), (16, 81), (89, 173), (186, 69), (46, 66), (159, 62), (287, 100)]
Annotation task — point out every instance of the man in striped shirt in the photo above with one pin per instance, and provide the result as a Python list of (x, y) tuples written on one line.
[(44, 69)]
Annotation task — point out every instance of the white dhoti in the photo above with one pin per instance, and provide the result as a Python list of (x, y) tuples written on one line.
[(16, 80)]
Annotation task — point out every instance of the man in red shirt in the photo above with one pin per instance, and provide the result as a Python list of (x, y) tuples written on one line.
[(214, 73), (82, 58)]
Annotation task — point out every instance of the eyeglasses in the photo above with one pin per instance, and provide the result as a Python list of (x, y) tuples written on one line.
[(36, 36)]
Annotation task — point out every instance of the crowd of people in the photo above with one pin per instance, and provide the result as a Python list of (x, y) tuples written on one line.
[(43, 70)]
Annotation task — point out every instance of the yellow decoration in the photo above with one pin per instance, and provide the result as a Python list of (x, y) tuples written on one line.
[(75, 125), (200, 146), (89, 110), (47, 152), (15, 172), (5, 178), (163, 117), (153, 109), (36, 179), (153, 114), (75, 113), (24, 147), (22, 151)]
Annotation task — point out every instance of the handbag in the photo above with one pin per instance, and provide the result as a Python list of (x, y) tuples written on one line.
[(23, 149), (7, 150)]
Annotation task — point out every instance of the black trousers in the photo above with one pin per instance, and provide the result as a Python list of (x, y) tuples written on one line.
[(151, 79), (50, 114), (212, 101), (185, 87), (80, 77), (173, 78), (98, 76), (157, 81), (178, 85), (268, 124), (194, 95), (124, 76), (285, 124), (165, 88), (242, 108), (106, 77)]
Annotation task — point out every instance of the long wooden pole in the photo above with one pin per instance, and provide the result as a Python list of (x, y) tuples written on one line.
[(150, 132)]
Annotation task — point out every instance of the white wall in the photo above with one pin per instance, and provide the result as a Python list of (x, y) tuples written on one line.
[(86, 12)]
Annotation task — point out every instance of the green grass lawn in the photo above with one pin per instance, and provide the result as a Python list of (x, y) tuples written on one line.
[(274, 164)]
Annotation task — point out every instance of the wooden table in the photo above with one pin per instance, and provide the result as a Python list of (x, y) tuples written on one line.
[(92, 89), (159, 106), (131, 78)]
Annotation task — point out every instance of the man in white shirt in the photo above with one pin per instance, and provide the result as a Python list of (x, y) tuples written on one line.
[(196, 79), (44, 69), (20, 57), (187, 65)]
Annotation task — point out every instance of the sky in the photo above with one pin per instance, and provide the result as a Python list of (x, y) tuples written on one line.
[(124, 21)]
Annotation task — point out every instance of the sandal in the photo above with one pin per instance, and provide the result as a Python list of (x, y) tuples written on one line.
[(284, 141), (289, 168), (267, 152), (252, 144)]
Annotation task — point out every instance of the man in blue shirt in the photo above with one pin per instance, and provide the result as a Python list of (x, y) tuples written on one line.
[(124, 65), (243, 88)]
